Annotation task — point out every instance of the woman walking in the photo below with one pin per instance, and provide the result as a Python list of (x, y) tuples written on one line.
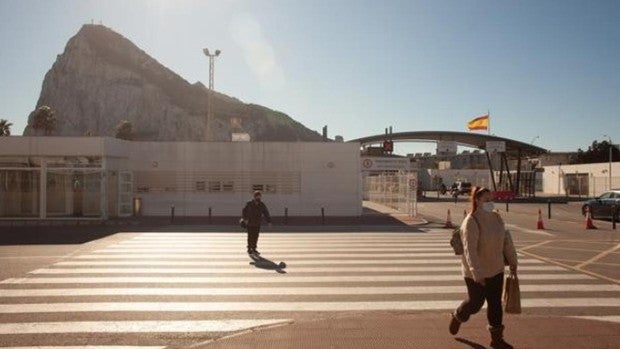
[(487, 246)]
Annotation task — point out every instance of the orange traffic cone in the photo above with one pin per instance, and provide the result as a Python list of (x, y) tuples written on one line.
[(589, 224), (449, 221), (539, 224)]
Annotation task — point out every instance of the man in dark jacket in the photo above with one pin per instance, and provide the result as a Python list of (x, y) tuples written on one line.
[(253, 213)]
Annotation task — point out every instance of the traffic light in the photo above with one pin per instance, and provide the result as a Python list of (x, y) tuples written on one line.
[(388, 146)]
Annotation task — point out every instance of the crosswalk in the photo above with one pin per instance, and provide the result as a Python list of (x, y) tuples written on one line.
[(152, 290)]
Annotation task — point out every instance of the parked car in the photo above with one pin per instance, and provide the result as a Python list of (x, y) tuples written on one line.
[(602, 206), (459, 188)]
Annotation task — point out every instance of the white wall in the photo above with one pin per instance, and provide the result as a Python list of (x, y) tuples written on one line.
[(554, 177), (330, 175)]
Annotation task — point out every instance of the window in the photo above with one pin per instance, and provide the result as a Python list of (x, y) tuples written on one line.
[(200, 186), (228, 186), (214, 186), (258, 187)]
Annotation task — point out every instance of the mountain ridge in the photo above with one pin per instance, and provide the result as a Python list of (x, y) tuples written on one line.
[(102, 78)]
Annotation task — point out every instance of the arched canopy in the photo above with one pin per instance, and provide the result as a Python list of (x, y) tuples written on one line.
[(513, 148)]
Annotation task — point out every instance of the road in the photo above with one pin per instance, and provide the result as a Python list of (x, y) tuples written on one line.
[(166, 288)]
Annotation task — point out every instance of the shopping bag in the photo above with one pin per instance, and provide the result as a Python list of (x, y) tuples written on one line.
[(512, 295), (456, 242)]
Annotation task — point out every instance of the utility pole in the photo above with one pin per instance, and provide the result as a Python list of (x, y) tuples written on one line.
[(610, 160), (210, 89)]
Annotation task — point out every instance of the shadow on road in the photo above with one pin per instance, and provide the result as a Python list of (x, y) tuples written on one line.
[(264, 263), (471, 344)]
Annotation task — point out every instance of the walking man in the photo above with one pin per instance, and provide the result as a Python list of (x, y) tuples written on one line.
[(253, 213)]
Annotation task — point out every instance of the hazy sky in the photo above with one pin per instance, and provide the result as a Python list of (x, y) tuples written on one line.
[(548, 71)]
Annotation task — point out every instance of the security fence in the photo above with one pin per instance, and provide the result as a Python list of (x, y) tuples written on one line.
[(393, 189)]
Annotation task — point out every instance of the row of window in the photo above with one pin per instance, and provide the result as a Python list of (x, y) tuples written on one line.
[(234, 182)]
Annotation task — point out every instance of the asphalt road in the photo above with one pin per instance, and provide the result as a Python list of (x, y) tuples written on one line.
[(182, 285)]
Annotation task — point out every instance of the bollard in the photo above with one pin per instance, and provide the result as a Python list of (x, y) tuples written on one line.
[(285, 215), (549, 209), (614, 216), (171, 213), (507, 205), (323, 215), (209, 214)]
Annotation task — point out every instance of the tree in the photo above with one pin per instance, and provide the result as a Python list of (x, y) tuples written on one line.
[(124, 130), (5, 127), (44, 119), (597, 152)]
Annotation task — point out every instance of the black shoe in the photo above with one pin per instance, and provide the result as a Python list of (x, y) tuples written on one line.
[(455, 324)]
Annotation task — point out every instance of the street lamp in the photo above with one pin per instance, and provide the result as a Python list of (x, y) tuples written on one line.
[(610, 158), (211, 68)]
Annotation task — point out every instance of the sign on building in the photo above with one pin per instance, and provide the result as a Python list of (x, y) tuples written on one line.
[(385, 164), (240, 137)]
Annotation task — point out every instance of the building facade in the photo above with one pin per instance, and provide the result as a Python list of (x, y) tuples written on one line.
[(99, 178)]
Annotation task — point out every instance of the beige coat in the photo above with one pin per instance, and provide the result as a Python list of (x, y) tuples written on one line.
[(484, 249)]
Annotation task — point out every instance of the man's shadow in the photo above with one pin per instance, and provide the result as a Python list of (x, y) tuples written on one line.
[(473, 345), (264, 263)]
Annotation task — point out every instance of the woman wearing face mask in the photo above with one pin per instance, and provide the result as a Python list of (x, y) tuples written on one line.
[(486, 247)]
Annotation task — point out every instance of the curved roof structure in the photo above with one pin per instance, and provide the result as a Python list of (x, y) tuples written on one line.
[(513, 148)]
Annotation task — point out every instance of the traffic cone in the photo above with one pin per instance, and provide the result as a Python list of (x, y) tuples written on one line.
[(449, 221), (589, 224), (539, 224)]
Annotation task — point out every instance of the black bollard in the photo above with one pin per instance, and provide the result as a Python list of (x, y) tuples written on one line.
[(285, 215), (322, 215), (171, 213), (549, 209), (506, 205), (209, 214)]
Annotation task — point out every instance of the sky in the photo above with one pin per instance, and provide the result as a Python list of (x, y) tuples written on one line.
[(547, 71)]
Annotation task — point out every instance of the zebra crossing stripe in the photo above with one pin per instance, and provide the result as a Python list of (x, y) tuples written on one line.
[(270, 278), (282, 306), (135, 326), (294, 269), (282, 255), (215, 249), (88, 347), (278, 291), (610, 318), (216, 263)]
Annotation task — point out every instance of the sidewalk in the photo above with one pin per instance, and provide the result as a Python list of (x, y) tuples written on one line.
[(425, 331)]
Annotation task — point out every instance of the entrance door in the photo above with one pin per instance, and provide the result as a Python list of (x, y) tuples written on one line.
[(125, 192)]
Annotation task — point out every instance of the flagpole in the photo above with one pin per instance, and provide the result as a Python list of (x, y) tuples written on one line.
[(489, 122)]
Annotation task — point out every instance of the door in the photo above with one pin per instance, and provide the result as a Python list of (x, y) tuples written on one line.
[(125, 193)]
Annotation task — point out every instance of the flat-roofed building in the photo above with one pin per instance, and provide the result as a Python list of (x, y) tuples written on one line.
[(98, 178)]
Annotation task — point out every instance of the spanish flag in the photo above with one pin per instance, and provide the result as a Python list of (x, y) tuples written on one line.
[(479, 123)]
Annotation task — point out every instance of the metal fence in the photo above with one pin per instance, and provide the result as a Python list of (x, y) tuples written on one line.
[(396, 190)]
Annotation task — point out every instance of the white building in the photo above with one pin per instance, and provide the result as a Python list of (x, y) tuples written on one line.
[(98, 178)]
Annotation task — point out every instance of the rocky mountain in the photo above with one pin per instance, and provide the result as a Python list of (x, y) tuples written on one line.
[(102, 78)]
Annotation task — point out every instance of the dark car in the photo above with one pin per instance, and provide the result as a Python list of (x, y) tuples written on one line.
[(602, 206), (460, 188)]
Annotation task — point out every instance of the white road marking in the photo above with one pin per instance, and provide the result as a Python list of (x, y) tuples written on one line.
[(289, 268), (228, 249), (88, 347), (611, 318), (134, 326), (282, 306), (215, 263), (268, 254), (513, 227), (270, 278), (278, 291)]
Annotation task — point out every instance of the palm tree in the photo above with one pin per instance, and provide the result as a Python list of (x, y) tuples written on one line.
[(44, 119), (124, 130), (5, 127)]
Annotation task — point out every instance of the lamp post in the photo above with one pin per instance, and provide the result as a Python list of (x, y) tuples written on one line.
[(610, 158), (210, 88)]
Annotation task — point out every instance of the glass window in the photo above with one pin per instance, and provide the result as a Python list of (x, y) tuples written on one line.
[(228, 186), (200, 186), (19, 193), (214, 186)]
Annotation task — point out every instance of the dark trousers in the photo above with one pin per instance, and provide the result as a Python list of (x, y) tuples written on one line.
[(477, 294), (253, 236)]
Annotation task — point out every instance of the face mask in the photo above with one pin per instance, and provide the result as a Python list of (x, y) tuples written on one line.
[(488, 206)]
